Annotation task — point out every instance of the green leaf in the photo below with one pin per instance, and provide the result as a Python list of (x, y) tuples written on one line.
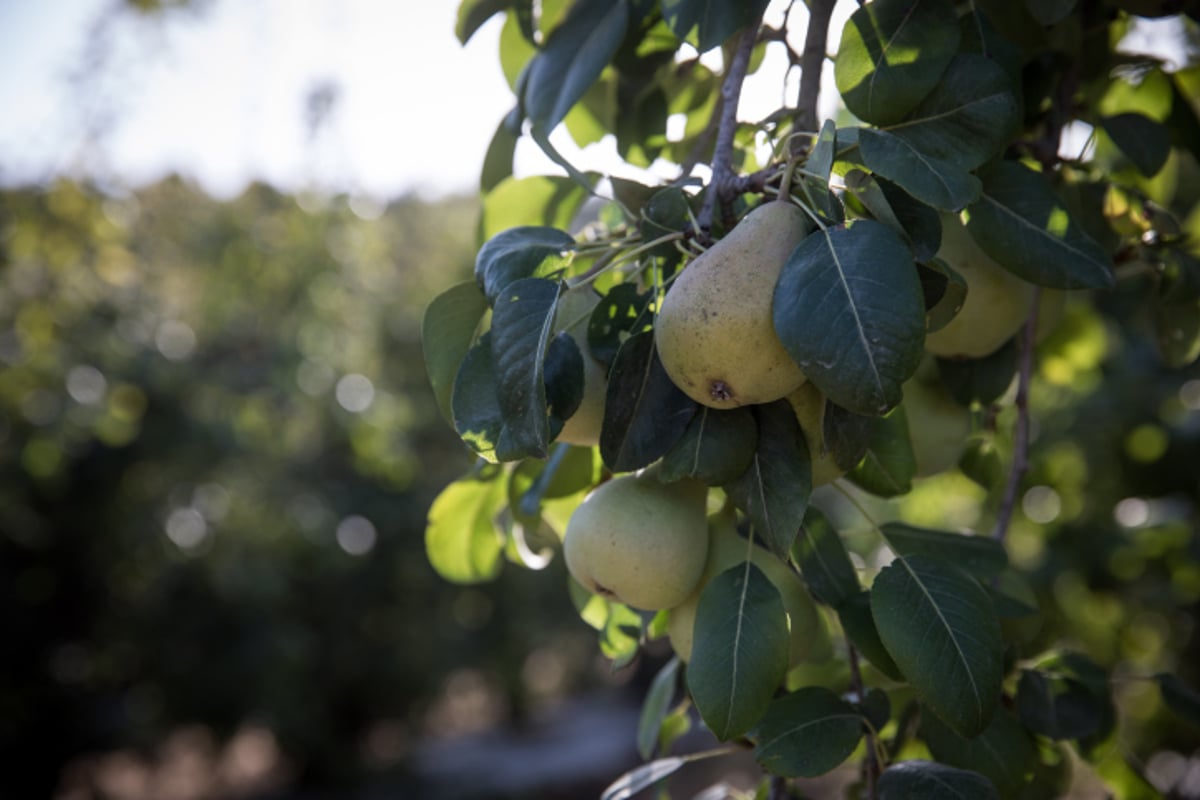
[(1058, 706), (824, 151), (716, 448), (1048, 12), (807, 733), (740, 650), (655, 707), (498, 161), (940, 626), (1175, 312), (714, 20), (876, 708), (642, 777), (1004, 753), (981, 556), (1181, 699), (521, 328), (620, 312), (983, 380), (892, 54), (967, 117), (928, 780), (824, 562), (521, 252), (563, 379), (447, 330), (573, 57), (1026, 228), (856, 618), (645, 413), (774, 489), (473, 13), (848, 308), (929, 178), (889, 465), (538, 199), (1143, 141), (462, 542), (473, 401), (945, 293)]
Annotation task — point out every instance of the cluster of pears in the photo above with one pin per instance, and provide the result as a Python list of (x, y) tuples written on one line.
[(653, 546)]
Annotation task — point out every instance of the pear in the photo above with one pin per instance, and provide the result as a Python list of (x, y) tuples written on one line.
[(574, 310), (937, 425), (997, 303), (727, 549), (809, 405), (715, 331), (639, 541)]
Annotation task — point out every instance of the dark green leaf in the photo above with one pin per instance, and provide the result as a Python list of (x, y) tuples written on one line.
[(620, 312), (1058, 707), (981, 556), (473, 13), (889, 465), (522, 321), (820, 160), (823, 561), (774, 489), (967, 117), (644, 412), (716, 448), (740, 650), (462, 541), (876, 708), (945, 292), (1048, 12), (1026, 228), (848, 308), (929, 178), (563, 379), (983, 380), (521, 252), (888, 203), (1181, 699), (498, 161), (714, 20), (1004, 753), (571, 60), (846, 435), (655, 707), (859, 624), (1013, 595), (807, 733), (477, 416), (892, 54), (447, 330), (927, 780), (940, 626), (1143, 141)]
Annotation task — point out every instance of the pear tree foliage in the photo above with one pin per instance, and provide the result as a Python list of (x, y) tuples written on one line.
[(997, 178)]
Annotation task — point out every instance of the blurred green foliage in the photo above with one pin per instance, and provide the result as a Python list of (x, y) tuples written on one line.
[(217, 450)]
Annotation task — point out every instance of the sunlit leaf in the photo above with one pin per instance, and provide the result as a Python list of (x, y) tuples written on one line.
[(447, 330), (714, 20), (473, 13), (461, 539), (521, 252)]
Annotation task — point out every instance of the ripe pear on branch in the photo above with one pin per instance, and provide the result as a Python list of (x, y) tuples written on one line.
[(714, 332), (727, 549), (639, 541)]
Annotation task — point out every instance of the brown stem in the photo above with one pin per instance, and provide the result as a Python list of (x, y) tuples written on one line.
[(870, 765), (1021, 432), (722, 160), (812, 61), (779, 789)]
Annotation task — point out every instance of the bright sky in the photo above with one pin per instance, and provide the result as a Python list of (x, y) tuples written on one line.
[(220, 96)]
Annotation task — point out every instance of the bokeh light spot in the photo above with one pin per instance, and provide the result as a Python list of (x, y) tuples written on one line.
[(355, 392), (187, 528), (1041, 504), (176, 340), (356, 535), (1146, 443), (1132, 512), (86, 385)]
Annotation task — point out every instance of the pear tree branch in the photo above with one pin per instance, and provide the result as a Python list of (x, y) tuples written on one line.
[(812, 63), (1020, 462)]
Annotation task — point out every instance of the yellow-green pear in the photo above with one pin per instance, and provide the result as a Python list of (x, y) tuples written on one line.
[(809, 404), (997, 302), (937, 426), (727, 549), (715, 332), (574, 309), (639, 541)]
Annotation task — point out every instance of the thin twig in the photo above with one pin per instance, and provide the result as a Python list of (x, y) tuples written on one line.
[(870, 766), (722, 160), (812, 62), (1021, 432)]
